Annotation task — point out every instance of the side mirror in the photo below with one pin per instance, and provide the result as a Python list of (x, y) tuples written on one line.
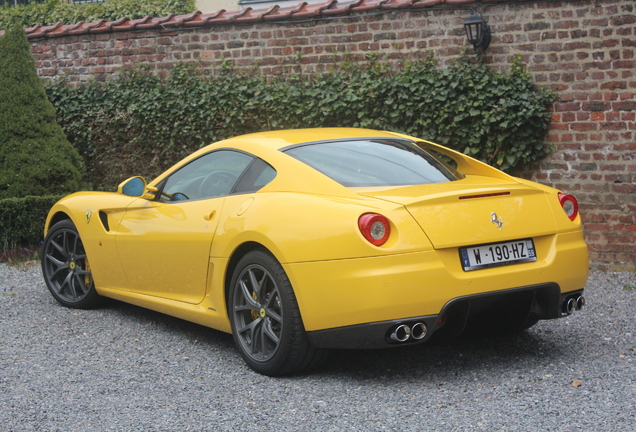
[(136, 187)]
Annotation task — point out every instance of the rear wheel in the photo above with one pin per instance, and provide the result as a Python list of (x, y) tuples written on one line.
[(266, 322), (66, 269)]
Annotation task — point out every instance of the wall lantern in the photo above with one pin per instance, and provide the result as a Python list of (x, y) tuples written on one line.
[(477, 31)]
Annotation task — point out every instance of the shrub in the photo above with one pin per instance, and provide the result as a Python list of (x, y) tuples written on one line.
[(35, 156), (140, 125), (22, 220)]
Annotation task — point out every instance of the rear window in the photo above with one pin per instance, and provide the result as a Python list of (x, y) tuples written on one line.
[(373, 162)]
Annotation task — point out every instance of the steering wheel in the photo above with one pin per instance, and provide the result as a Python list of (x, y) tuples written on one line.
[(177, 196), (216, 184)]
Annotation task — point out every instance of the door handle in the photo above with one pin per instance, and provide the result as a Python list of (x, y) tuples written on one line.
[(209, 216)]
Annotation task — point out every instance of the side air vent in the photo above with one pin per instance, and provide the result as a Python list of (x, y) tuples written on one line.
[(104, 218)]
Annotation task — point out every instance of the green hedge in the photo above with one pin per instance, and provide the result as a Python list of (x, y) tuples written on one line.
[(22, 220), (54, 11), (140, 125)]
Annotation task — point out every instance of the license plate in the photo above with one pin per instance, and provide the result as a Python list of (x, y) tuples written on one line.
[(496, 254)]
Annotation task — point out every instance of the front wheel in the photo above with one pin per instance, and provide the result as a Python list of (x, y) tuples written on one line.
[(66, 269), (265, 317)]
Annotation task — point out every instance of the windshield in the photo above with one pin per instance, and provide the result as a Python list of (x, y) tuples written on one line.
[(373, 162)]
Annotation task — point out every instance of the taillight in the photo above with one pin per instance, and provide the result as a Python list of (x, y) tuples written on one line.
[(375, 228), (570, 205)]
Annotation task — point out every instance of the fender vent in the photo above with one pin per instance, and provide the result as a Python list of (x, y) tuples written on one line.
[(104, 218)]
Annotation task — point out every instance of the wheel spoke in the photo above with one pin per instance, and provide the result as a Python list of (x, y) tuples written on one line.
[(251, 329), (78, 284), (250, 303), (275, 316), (262, 337), (65, 245), (68, 282), (59, 265), (269, 332), (245, 307), (55, 261), (60, 248), (58, 270), (82, 272), (77, 247), (256, 286)]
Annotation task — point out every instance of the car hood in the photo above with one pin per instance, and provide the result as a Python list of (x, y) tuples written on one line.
[(475, 210)]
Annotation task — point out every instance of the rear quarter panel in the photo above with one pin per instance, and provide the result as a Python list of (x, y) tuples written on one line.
[(300, 227)]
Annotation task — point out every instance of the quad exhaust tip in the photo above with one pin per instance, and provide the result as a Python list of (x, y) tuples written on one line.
[(418, 331), (580, 303), (404, 332), (401, 333), (574, 303)]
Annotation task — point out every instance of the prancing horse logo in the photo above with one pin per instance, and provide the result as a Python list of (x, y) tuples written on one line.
[(494, 219)]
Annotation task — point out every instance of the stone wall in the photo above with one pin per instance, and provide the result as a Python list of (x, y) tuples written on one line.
[(583, 50)]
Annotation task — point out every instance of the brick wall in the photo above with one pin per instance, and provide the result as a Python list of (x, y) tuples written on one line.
[(584, 50)]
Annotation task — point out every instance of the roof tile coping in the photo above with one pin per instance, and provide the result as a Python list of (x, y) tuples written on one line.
[(301, 11)]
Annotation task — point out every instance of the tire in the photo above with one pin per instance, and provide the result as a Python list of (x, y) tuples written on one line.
[(266, 323), (66, 269)]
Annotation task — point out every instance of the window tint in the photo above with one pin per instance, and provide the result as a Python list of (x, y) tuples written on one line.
[(256, 176), (211, 175), (376, 162)]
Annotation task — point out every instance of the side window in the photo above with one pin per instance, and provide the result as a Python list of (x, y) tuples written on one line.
[(256, 176), (211, 175)]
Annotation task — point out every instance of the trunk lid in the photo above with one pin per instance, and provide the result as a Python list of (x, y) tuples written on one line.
[(472, 211)]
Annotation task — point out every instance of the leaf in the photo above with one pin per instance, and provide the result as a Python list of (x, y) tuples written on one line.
[(155, 122)]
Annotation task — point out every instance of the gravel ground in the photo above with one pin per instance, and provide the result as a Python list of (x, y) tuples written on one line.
[(123, 368)]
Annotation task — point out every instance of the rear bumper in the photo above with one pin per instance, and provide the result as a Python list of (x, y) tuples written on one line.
[(364, 291), (512, 309)]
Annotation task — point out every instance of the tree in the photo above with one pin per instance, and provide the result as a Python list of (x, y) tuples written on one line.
[(35, 156)]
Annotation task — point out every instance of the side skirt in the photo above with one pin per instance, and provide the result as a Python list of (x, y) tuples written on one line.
[(200, 314)]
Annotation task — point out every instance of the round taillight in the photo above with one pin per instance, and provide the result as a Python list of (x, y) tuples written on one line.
[(570, 205), (375, 228)]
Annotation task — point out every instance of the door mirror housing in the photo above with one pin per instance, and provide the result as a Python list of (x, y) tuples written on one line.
[(136, 187)]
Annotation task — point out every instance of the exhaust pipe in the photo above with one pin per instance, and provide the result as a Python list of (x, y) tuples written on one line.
[(401, 333), (418, 331), (574, 303), (569, 306), (580, 303)]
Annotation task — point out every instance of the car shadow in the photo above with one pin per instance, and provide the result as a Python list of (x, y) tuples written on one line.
[(476, 355), (134, 316), (439, 361)]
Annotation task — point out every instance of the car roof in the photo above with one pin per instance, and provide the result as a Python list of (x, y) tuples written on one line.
[(279, 139), (293, 175)]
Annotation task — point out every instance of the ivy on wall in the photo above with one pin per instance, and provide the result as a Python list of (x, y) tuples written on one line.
[(54, 11), (141, 125)]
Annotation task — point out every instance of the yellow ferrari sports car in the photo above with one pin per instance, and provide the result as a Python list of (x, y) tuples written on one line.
[(301, 241)]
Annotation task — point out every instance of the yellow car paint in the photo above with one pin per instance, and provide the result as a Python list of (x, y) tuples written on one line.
[(174, 257), (178, 271)]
